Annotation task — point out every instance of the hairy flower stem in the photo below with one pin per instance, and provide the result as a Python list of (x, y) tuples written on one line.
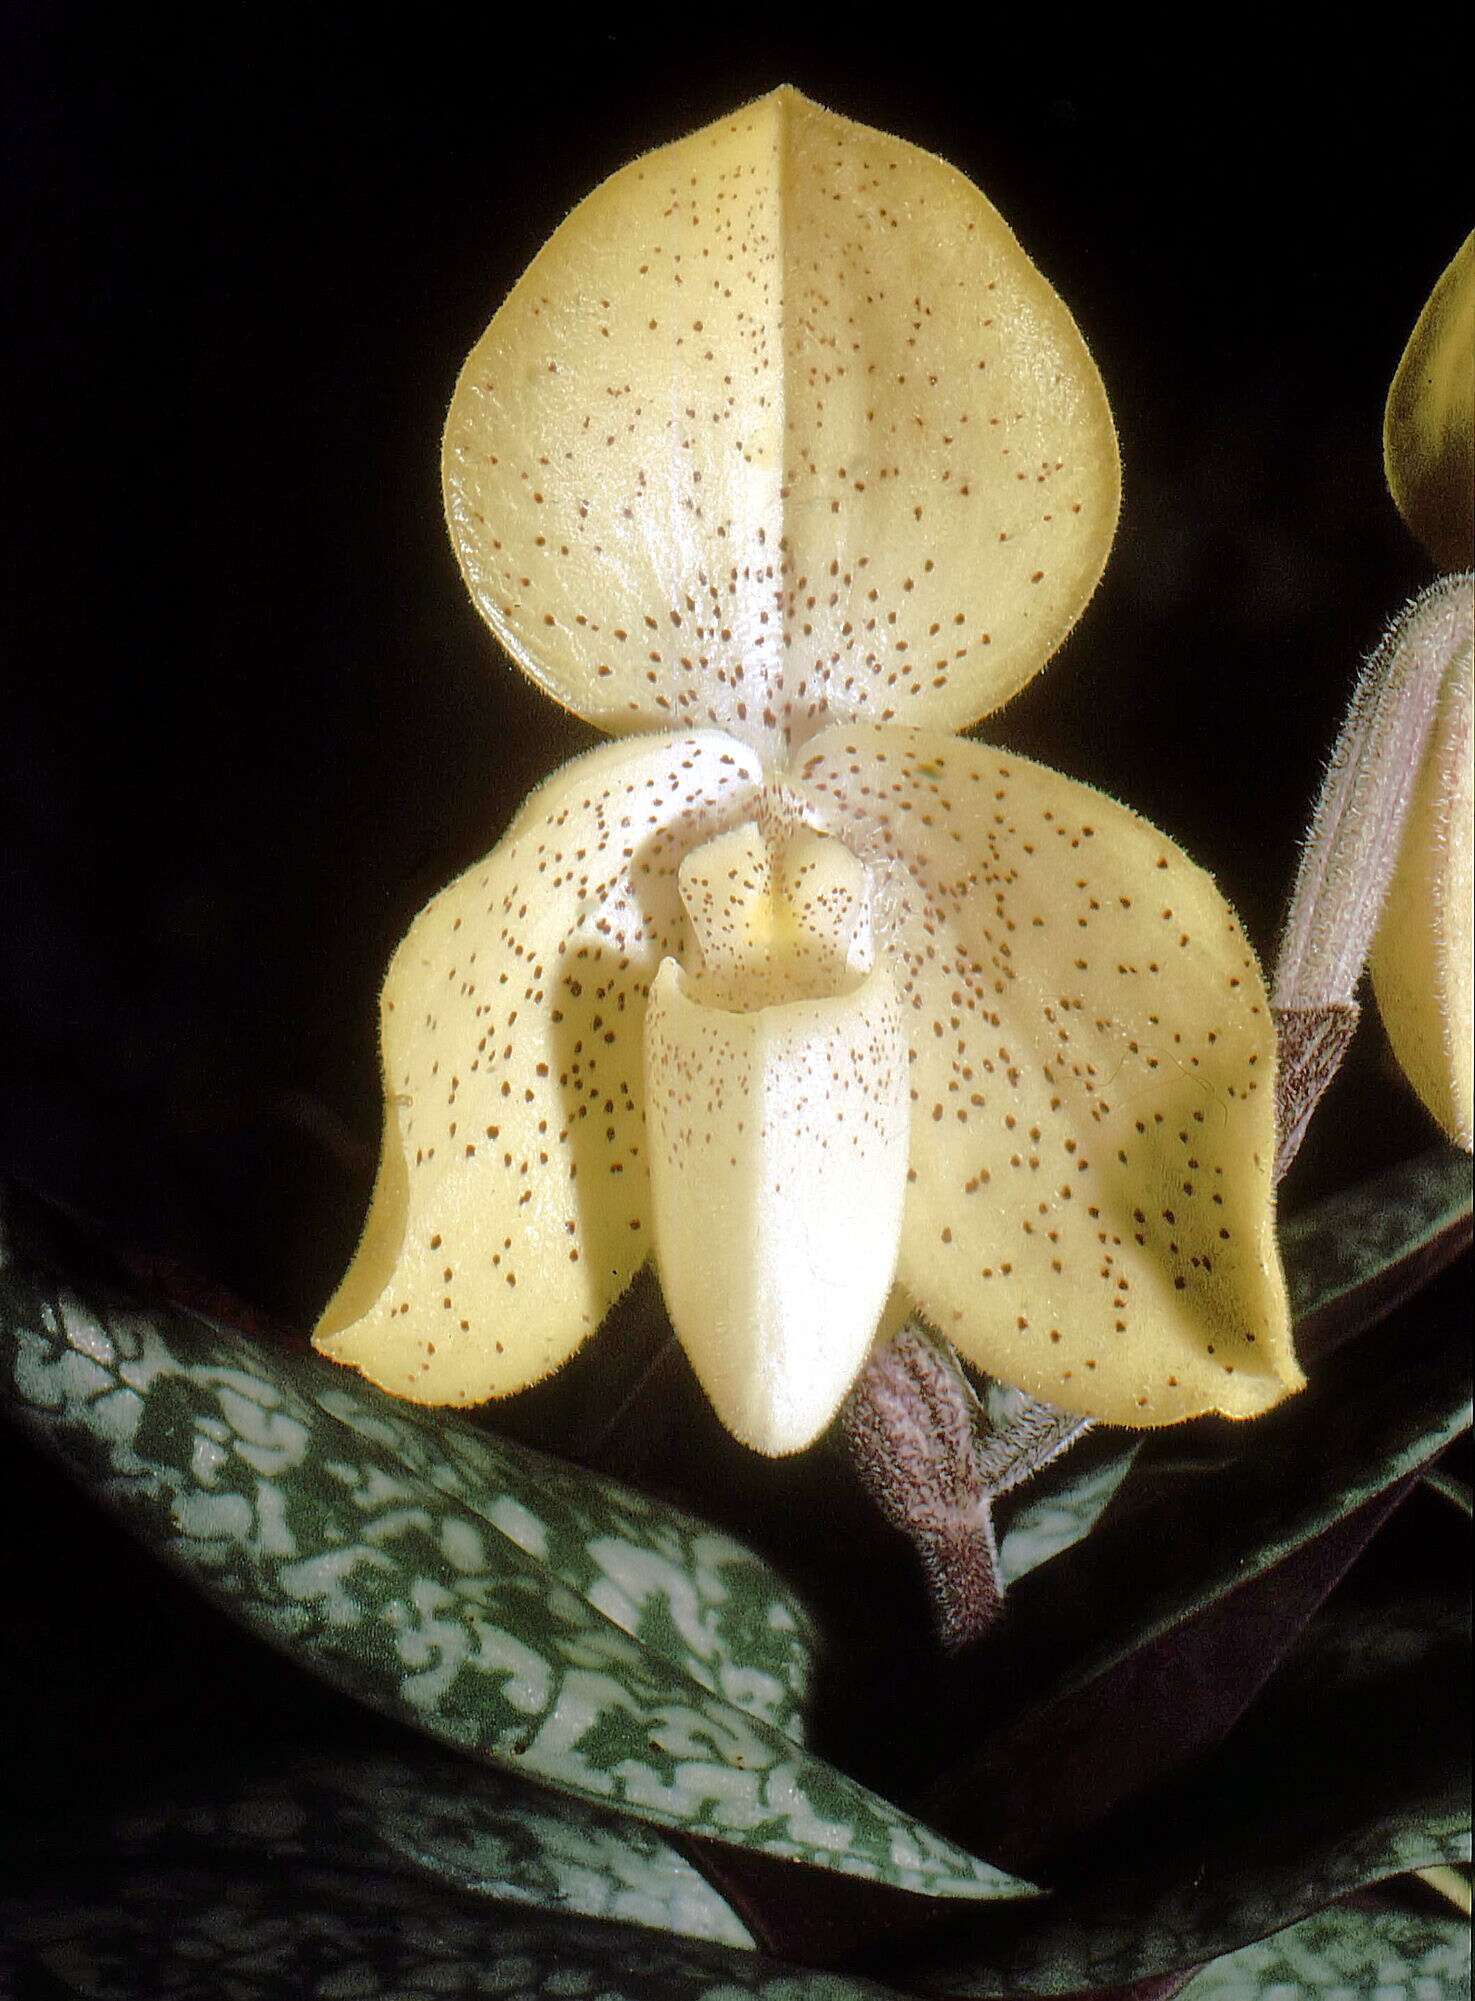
[(920, 1442), (911, 1423), (1352, 849)]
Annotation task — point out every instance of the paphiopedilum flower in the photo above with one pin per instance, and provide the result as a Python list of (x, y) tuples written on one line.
[(783, 457)]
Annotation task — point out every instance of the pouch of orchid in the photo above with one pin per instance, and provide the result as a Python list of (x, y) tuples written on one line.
[(783, 464)]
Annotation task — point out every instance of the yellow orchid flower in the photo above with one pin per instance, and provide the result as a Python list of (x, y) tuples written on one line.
[(783, 457)]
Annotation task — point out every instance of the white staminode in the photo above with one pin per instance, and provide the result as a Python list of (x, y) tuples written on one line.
[(778, 1113)]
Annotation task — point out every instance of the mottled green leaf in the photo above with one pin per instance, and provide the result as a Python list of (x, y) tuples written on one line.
[(1352, 1258), (1345, 1953), (466, 1827), (573, 1631), (696, 1597), (326, 1933)]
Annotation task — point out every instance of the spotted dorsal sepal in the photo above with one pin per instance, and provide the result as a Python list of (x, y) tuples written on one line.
[(781, 426)]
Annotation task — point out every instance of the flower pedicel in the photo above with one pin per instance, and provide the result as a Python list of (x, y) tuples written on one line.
[(783, 463)]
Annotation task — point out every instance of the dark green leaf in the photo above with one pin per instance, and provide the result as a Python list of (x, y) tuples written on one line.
[(1352, 1258), (1065, 1503), (1441, 1481), (564, 1627), (468, 1829), (326, 1933), (1348, 1952), (1205, 1514), (1351, 1768)]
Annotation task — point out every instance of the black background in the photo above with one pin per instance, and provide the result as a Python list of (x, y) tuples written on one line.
[(249, 719)]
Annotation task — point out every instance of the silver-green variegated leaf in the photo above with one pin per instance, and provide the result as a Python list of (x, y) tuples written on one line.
[(1334, 1247), (563, 1628), (1344, 1954), (1059, 1513), (468, 1828), (335, 1934), (697, 1597), (1149, 1938)]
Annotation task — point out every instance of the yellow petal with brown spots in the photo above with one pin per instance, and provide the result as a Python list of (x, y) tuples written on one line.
[(512, 1204), (780, 425), (1090, 1216)]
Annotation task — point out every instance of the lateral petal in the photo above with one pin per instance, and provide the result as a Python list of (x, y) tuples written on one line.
[(1091, 1213), (512, 1201), (781, 424), (778, 1155)]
